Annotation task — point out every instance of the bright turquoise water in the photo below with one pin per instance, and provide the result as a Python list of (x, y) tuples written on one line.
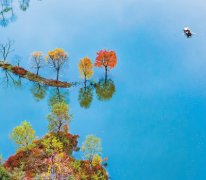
[(153, 128)]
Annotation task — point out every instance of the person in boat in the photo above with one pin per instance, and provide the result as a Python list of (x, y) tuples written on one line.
[(187, 32)]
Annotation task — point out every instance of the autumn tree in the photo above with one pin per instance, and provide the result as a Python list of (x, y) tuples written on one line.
[(105, 90), (6, 49), (56, 58), (58, 167), (91, 147), (58, 117), (86, 68), (23, 135), (96, 160), (106, 59), (52, 146), (37, 61), (85, 97)]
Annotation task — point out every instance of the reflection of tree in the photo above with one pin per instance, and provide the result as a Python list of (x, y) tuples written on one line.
[(39, 91), (6, 12), (105, 90), (24, 4), (85, 97), (58, 95), (10, 80)]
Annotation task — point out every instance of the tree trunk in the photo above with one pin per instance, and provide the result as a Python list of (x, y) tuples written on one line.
[(37, 72), (85, 81), (57, 78), (106, 69)]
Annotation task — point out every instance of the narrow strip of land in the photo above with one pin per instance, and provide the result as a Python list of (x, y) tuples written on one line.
[(17, 70)]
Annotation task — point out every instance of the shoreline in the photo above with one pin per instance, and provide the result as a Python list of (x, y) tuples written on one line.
[(20, 71)]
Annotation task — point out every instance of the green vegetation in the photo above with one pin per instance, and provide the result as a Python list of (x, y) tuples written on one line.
[(4, 174), (59, 117), (23, 135), (91, 147)]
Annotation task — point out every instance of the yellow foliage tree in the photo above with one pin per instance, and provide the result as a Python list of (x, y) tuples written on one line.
[(86, 68), (57, 58)]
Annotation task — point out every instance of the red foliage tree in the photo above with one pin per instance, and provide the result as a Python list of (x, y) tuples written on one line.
[(106, 59)]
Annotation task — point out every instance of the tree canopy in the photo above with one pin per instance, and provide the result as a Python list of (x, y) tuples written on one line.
[(59, 116), (91, 147), (56, 58), (86, 68), (23, 135)]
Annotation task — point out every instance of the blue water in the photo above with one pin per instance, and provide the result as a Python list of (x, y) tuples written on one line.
[(153, 128)]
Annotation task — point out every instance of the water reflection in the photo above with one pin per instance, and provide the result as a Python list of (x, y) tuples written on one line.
[(10, 80), (105, 89), (85, 96), (58, 95), (39, 91), (24, 4), (7, 14)]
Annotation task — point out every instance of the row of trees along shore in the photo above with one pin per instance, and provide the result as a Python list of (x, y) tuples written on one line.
[(57, 58)]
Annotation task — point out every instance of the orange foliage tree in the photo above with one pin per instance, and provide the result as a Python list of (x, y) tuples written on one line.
[(86, 68), (106, 59)]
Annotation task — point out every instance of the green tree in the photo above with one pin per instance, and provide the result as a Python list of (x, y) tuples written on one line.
[(91, 147), (18, 173), (23, 135), (59, 117), (4, 174)]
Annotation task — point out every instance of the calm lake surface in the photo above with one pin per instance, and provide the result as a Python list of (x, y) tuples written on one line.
[(153, 127)]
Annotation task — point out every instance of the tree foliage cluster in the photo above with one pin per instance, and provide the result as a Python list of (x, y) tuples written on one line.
[(50, 157)]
